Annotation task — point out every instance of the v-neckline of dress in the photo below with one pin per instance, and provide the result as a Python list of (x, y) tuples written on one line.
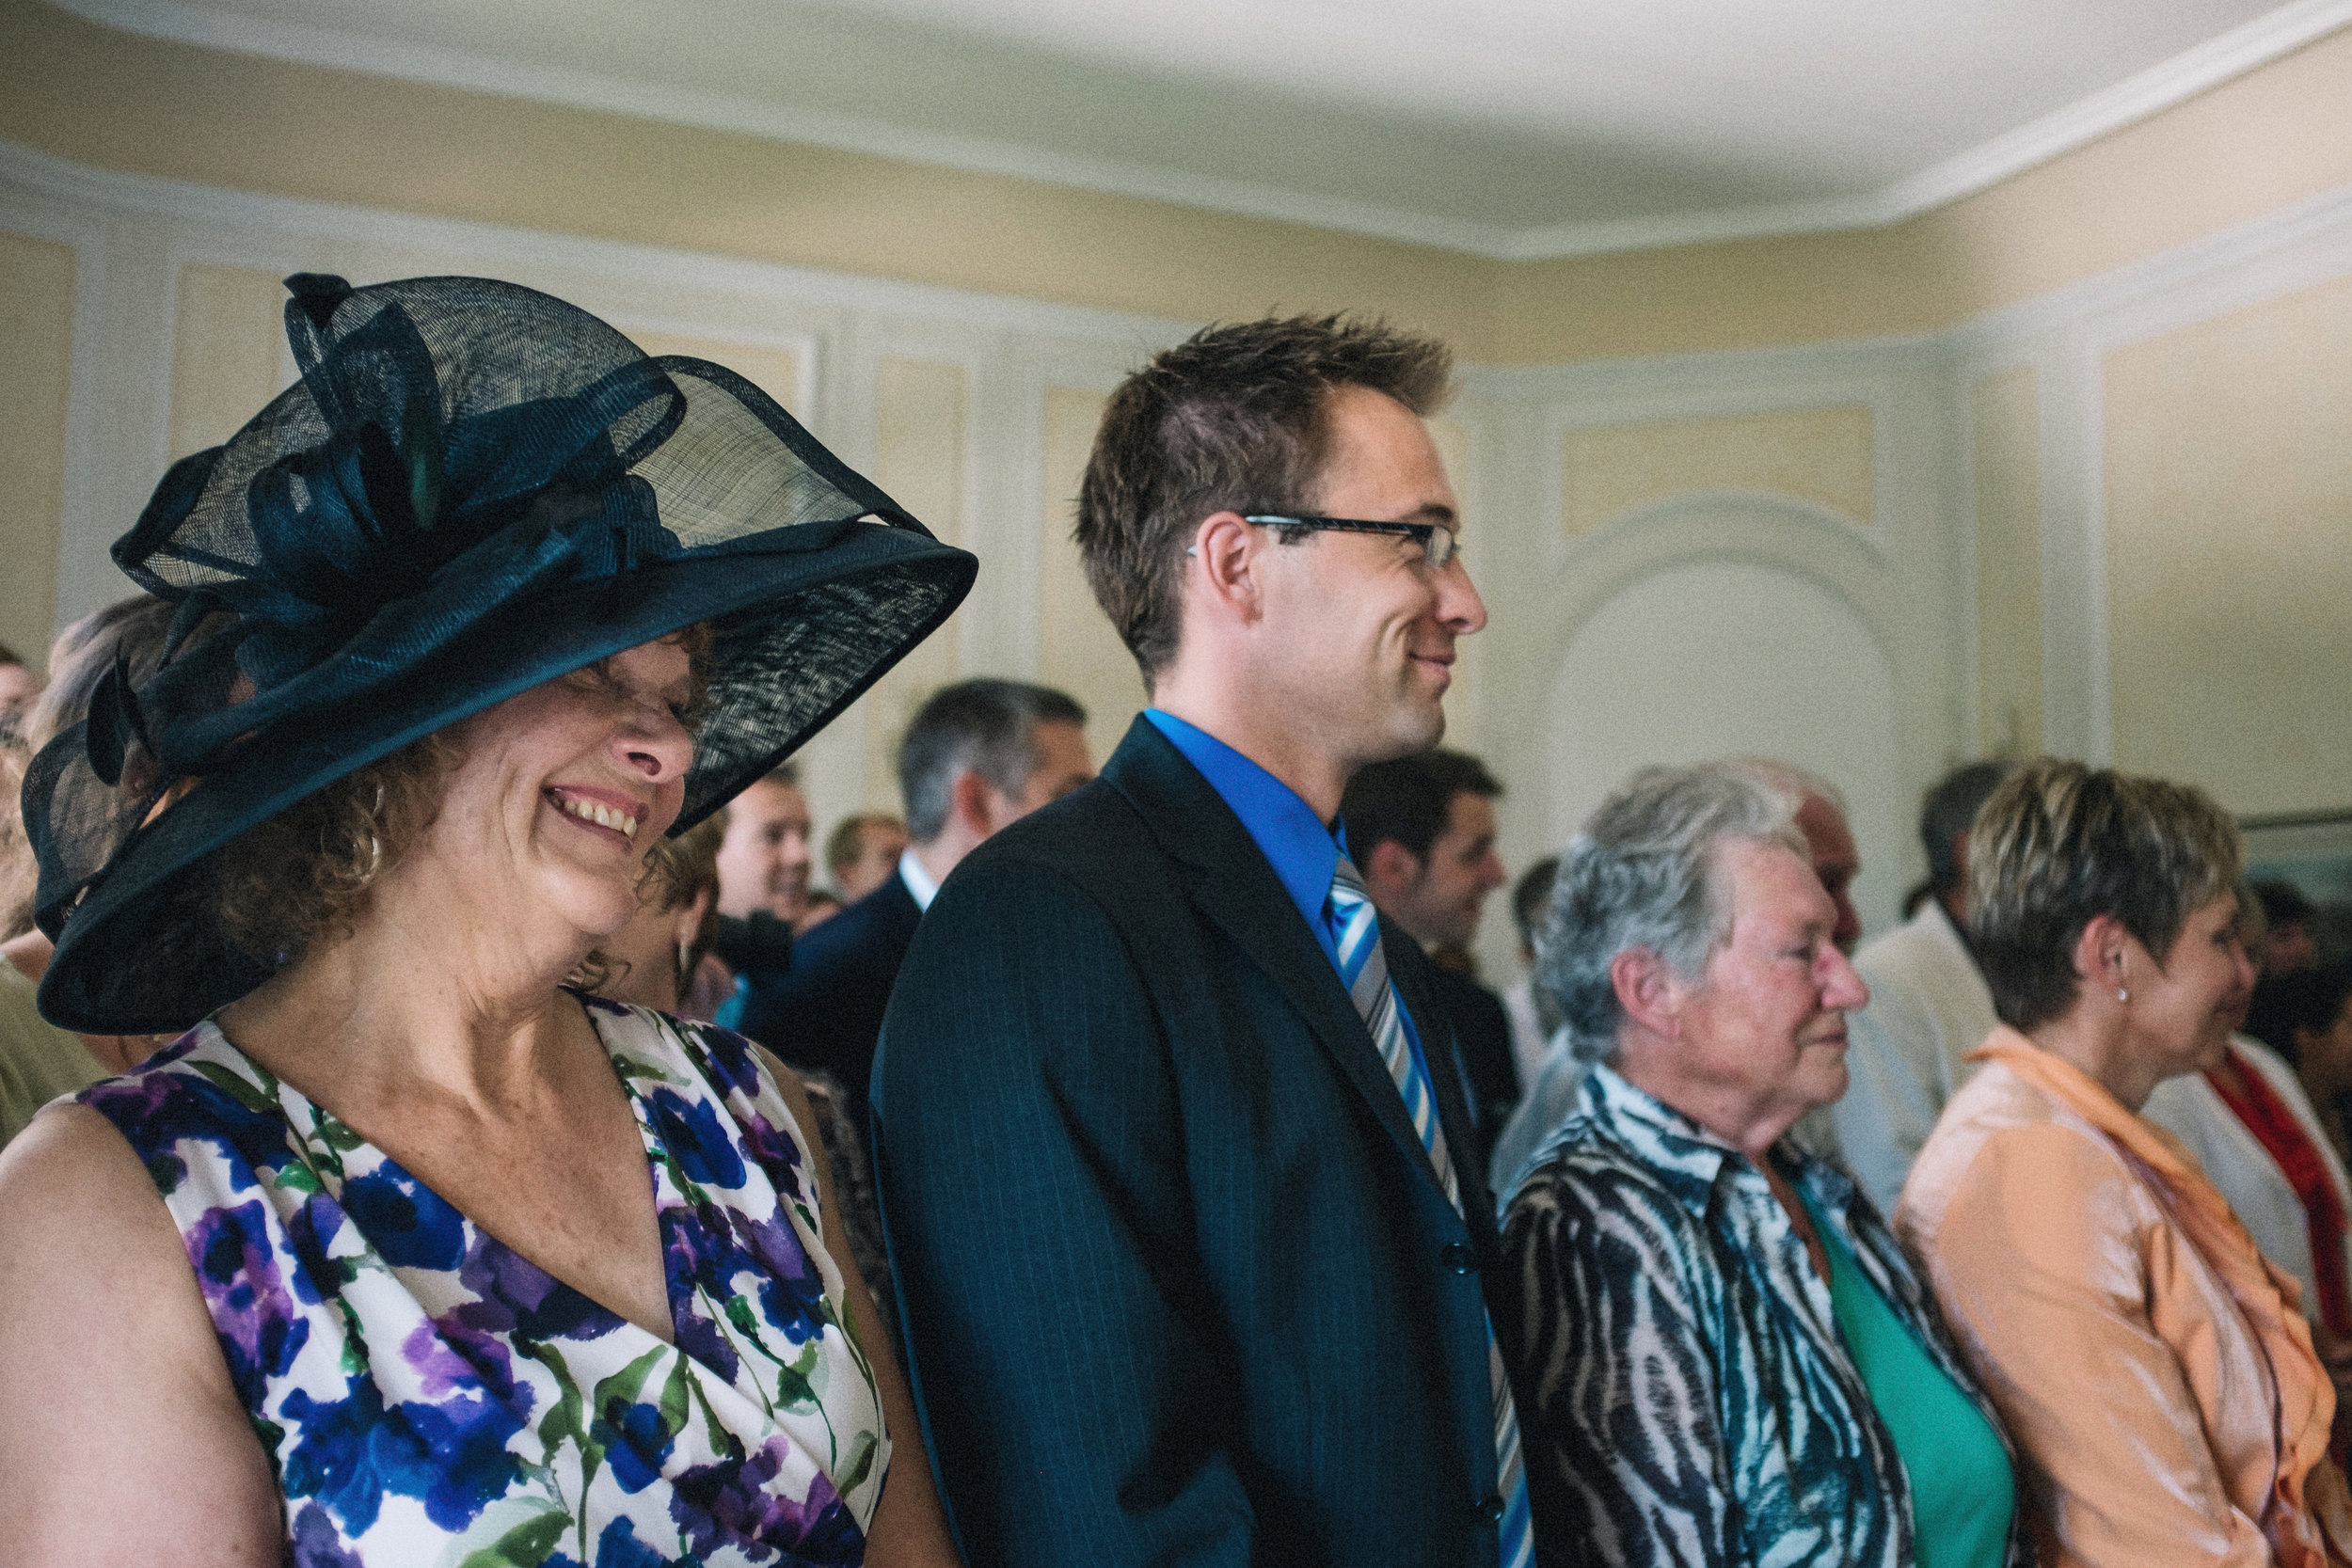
[(318, 1126)]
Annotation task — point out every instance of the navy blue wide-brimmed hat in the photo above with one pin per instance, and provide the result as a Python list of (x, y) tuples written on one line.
[(473, 489)]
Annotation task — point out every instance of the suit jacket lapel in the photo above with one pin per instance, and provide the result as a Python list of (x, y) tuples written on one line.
[(1230, 883)]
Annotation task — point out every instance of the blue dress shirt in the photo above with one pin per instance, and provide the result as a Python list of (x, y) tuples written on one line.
[(1303, 852)]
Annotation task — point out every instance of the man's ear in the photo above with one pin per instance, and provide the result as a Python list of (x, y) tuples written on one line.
[(1390, 869), (1648, 991), (971, 801), (1221, 564)]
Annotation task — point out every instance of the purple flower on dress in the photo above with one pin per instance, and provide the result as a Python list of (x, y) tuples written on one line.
[(690, 1129), (775, 1153), (727, 1055), (730, 1503), (451, 1357), (260, 1328), (352, 1452), (406, 1220), (315, 1542), (517, 1297), (792, 1292), (155, 1111), (636, 1441), (687, 1263)]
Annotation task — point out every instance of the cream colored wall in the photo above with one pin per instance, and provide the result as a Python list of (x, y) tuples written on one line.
[(110, 99), (36, 326), (2005, 509), (1817, 454), (229, 351), (1076, 649), (2006, 474), (2229, 560), (918, 460)]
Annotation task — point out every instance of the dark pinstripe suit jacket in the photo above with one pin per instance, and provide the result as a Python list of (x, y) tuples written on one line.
[(1179, 1284)]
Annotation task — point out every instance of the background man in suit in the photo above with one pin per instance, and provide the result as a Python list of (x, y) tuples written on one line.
[(1190, 1273), (1421, 830), (978, 757)]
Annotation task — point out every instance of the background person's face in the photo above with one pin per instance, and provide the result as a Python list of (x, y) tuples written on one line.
[(1837, 862), (17, 690), (764, 859), (1461, 868), (1062, 766), (880, 844), (1360, 631)]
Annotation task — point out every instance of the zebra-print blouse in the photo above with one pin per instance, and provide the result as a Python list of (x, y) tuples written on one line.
[(1689, 1399)]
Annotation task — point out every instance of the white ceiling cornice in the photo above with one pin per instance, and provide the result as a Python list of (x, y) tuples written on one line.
[(2149, 92)]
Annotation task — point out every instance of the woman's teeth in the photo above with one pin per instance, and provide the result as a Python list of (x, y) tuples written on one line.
[(603, 817)]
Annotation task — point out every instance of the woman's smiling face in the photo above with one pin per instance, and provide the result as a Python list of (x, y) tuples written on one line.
[(561, 788)]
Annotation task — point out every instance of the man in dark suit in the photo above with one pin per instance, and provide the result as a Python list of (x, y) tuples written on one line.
[(1189, 1272), (978, 757), (1422, 829)]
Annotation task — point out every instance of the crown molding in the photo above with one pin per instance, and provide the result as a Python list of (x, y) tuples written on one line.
[(307, 44), (2136, 98), (27, 171)]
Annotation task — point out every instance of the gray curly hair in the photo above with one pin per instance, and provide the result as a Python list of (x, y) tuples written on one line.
[(1642, 874)]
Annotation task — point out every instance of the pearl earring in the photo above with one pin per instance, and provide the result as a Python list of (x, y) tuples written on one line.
[(2123, 995)]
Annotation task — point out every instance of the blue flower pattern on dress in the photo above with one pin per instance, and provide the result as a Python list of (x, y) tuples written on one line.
[(428, 1394)]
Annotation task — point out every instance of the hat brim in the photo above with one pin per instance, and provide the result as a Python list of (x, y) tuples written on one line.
[(143, 952)]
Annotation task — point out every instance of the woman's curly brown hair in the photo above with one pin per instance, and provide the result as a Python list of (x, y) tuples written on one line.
[(303, 874)]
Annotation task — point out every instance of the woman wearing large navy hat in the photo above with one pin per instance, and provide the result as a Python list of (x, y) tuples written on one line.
[(406, 1253)]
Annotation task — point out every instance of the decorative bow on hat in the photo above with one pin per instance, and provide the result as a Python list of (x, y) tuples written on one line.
[(403, 488)]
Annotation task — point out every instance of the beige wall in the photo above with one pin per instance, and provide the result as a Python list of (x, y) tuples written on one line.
[(36, 326), (1077, 648), (116, 101), (918, 460), (2228, 560), (2074, 535), (1821, 456), (228, 345), (2006, 473)]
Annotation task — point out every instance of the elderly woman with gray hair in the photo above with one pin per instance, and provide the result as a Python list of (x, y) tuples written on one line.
[(1725, 1357)]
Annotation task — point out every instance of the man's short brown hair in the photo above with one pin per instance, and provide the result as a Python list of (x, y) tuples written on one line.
[(1230, 420)]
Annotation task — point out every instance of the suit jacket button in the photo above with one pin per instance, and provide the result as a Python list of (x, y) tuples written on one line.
[(1491, 1509), (1459, 1256)]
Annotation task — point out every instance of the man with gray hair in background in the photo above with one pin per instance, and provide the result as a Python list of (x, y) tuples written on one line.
[(1818, 815), (1928, 1007), (976, 756)]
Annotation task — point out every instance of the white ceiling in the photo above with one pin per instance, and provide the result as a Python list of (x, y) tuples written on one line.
[(1507, 128)]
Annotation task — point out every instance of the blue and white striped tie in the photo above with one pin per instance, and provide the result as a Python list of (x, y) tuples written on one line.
[(1364, 970)]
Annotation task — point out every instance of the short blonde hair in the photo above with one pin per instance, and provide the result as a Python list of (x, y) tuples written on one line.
[(2060, 844)]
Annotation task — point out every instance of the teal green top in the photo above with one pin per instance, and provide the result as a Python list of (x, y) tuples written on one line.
[(1962, 1492)]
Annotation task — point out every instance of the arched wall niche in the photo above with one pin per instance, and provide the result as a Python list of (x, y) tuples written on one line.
[(1732, 622)]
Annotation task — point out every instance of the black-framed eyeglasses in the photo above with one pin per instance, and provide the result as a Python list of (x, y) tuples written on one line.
[(1436, 540)]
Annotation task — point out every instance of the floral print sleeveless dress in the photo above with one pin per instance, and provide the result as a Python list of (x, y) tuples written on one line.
[(429, 1397)]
